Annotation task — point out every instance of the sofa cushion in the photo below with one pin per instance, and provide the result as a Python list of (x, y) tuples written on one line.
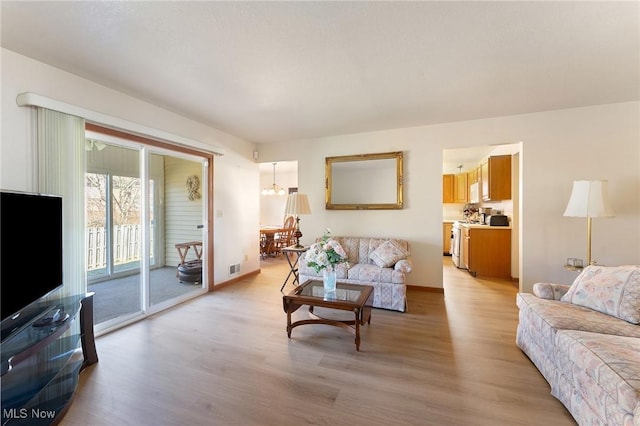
[(611, 290), (368, 273), (548, 316), (605, 369), (387, 254)]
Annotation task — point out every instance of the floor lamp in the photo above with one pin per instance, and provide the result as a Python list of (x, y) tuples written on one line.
[(297, 204), (589, 198)]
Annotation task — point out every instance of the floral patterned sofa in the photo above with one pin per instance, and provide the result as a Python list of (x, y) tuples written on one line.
[(380, 262), (585, 340)]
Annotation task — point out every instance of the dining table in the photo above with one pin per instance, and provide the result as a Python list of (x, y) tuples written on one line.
[(267, 240)]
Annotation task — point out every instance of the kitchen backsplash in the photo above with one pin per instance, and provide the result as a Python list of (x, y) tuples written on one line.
[(454, 211)]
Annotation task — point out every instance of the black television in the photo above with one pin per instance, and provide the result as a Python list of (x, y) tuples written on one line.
[(30, 254)]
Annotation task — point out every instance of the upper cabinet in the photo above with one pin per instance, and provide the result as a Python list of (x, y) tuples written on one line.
[(495, 175), (447, 188), (474, 185), (460, 188), (473, 176), (490, 181), (455, 188)]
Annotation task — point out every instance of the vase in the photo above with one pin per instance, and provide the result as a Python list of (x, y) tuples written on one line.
[(329, 279)]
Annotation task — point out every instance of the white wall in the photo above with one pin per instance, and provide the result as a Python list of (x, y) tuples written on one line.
[(600, 142), (236, 218)]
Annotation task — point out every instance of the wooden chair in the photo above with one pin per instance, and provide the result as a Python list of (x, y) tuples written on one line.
[(285, 238)]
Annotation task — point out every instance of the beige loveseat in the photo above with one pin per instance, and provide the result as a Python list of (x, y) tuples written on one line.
[(585, 340), (380, 262)]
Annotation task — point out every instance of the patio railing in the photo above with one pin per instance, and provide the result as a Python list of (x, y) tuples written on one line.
[(126, 245)]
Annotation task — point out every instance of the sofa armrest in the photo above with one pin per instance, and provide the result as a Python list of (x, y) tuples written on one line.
[(403, 265), (550, 291)]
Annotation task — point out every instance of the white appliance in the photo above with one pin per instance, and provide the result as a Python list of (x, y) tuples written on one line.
[(456, 243)]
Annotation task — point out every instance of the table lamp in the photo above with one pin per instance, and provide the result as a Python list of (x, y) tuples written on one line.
[(589, 198), (297, 204)]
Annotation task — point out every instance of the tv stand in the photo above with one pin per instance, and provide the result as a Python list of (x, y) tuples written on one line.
[(54, 318), (41, 361)]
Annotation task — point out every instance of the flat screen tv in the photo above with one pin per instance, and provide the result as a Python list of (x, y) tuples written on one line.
[(30, 253)]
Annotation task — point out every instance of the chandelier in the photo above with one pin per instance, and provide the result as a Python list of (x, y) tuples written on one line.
[(273, 189)]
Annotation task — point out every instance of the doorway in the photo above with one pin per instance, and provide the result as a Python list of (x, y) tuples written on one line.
[(463, 163), (285, 176)]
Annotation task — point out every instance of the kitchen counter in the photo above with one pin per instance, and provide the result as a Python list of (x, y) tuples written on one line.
[(486, 250), (481, 226)]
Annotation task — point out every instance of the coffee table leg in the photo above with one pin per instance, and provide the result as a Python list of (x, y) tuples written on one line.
[(358, 312)]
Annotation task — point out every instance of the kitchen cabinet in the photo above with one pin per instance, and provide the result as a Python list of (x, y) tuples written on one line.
[(447, 188), (464, 251), (486, 251), (474, 186), (495, 175), (446, 237), (473, 176), (460, 188), (455, 188)]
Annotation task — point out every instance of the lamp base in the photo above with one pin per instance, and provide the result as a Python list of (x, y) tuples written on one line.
[(298, 233)]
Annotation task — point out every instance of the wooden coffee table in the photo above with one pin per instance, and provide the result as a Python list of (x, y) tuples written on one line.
[(347, 297)]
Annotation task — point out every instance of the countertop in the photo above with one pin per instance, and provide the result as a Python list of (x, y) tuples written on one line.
[(475, 225), (480, 226)]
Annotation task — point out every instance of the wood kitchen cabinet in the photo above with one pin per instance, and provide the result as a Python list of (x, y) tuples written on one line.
[(447, 188), (473, 176), (446, 237), (460, 188), (486, 251), (455, 188), (464, 250), (495, 175)]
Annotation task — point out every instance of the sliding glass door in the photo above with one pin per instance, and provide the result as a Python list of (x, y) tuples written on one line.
[(177, 218), (144, 229)]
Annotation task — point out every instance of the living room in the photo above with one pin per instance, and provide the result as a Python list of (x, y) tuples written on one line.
[(590, 136)]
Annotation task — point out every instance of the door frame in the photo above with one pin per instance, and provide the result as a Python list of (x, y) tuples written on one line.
[(180, 149)]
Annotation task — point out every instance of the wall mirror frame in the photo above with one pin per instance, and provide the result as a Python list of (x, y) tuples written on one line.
[(364, 181)]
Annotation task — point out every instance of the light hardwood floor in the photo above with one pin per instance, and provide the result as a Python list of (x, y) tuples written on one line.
[(224, 359)]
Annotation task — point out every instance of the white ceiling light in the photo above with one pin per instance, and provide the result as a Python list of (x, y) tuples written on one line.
[(273, 189)]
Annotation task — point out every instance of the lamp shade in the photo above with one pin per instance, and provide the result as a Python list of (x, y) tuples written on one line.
[(589, 198), (297, 204)]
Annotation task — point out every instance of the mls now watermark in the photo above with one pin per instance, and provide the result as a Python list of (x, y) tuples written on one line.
[(24, 413)]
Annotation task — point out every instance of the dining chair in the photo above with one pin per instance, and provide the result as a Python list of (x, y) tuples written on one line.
[(285, 238)]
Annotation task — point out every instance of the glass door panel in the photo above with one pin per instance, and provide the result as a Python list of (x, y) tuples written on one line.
[(176, 208), (114, 246), (126, 224), (96, 225)]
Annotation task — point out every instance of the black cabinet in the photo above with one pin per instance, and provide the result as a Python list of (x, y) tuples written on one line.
[(42, 359)]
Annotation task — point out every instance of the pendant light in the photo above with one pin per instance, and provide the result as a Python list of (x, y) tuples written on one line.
[(273, 189)]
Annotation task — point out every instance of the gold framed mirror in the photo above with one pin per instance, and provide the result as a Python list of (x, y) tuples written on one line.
[(364, 182)]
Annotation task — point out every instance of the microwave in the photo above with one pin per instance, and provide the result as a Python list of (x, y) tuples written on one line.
[(474, 193)]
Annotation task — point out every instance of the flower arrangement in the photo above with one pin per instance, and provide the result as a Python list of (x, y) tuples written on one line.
[(325, 254), (470, 209)]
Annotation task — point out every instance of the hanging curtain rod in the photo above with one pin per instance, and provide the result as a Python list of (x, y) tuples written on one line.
[(32, 99)]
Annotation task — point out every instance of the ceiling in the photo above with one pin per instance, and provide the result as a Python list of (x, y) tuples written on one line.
[(285, 71)]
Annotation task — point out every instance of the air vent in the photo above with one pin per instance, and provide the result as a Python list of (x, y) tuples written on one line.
[(234, 269)]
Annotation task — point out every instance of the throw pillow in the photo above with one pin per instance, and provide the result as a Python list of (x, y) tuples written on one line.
[(387, 254), (612, 290)]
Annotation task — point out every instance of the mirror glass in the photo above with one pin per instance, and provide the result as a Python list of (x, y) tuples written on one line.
[(366, 181)]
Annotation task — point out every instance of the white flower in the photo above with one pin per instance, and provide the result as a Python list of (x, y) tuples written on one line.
[(326, 253)]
